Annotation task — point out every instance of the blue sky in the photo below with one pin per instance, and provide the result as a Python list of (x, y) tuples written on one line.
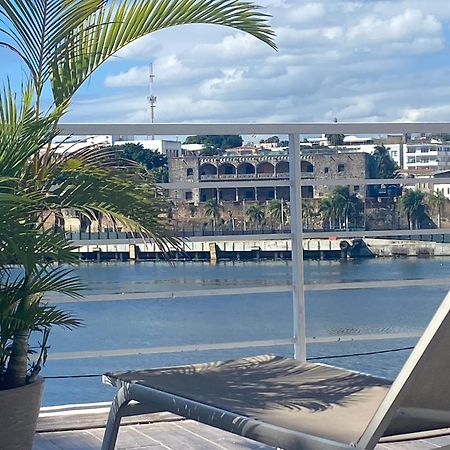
[(355, 60)]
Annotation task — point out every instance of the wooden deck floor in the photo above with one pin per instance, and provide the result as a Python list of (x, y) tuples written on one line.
[(184, 435)]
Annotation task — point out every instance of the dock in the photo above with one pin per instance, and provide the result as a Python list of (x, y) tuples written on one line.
[(215, 248)]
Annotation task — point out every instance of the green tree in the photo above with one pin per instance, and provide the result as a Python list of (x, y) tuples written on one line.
[(217, 143), (213, 210), (209, 150), (62, 43), (256, 214), (335, 139), (278, 211), (274, 210), (412, 205), (327, 210), (347, 206), (308, 212), (270, 140), (153, 161), (384, 165), (437, 200)]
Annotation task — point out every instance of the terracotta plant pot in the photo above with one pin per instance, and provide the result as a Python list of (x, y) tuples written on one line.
[(19, 410)]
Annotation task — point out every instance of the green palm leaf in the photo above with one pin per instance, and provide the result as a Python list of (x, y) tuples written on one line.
[(22, 134), (35, 28)]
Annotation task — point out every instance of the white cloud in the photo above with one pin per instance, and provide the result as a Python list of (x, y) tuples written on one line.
[(355, 60), (306, 12), (170, 66), (412, 23), (143, 48), (135, 76)]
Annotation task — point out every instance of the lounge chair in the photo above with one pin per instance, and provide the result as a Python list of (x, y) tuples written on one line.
[(297, 405)]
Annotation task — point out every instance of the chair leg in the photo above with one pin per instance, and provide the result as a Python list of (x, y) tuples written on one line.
[(117, 411)]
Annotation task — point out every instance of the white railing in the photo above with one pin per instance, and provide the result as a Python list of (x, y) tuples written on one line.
[(298, 286)]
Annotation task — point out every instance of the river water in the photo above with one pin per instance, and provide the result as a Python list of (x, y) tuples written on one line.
[(214, 319)]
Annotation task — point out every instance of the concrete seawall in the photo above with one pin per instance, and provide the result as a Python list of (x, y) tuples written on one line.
[(389, 247), (252, 248)]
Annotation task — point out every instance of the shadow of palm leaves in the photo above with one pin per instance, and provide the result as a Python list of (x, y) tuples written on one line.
[(267, 382)]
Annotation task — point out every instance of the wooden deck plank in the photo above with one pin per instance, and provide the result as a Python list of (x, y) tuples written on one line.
[(175, 438), (185, 435), (128, 438), (73, 440), (228, 441), (42, 443)]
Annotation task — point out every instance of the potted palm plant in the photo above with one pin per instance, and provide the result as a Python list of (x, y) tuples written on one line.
[(62, 42)]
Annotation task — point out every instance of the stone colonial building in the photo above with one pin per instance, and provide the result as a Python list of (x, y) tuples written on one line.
[(316, 165)]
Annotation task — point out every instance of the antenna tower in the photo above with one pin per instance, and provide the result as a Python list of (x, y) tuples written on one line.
[(151, 97)]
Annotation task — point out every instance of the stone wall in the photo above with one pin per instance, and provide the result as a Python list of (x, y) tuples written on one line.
[(319, 165)]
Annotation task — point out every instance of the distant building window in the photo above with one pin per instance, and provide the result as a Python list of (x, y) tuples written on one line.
[(326, 170), (190, 172), (341, 167), (188, 195), (355, 188)]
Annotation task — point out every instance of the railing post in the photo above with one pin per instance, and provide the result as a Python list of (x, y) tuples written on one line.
[(298, 281)]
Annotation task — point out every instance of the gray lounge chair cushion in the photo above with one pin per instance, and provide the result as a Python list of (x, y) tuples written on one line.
[(320, 400)]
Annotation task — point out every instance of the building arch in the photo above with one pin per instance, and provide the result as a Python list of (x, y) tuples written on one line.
[(246, 168), (227, 169), (282, 167), (306, 166), (208, 169), (265, 168)]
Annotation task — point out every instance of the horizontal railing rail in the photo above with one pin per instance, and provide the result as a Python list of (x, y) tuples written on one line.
[(58, 356), (280, 288), (178, 129)]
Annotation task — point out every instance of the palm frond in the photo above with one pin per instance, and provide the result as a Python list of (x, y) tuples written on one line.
[(35, 29), (97, 180), (22, 134)]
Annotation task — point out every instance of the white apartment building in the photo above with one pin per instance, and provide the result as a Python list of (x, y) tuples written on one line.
[(431, 155)]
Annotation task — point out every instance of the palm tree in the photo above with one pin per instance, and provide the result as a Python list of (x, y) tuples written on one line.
[(412, 205), (62, 43), (275, 210), (327, 211), (385, 165), (347, 206), (437, 200), (213, 209), (308, 212), (256, 215)]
